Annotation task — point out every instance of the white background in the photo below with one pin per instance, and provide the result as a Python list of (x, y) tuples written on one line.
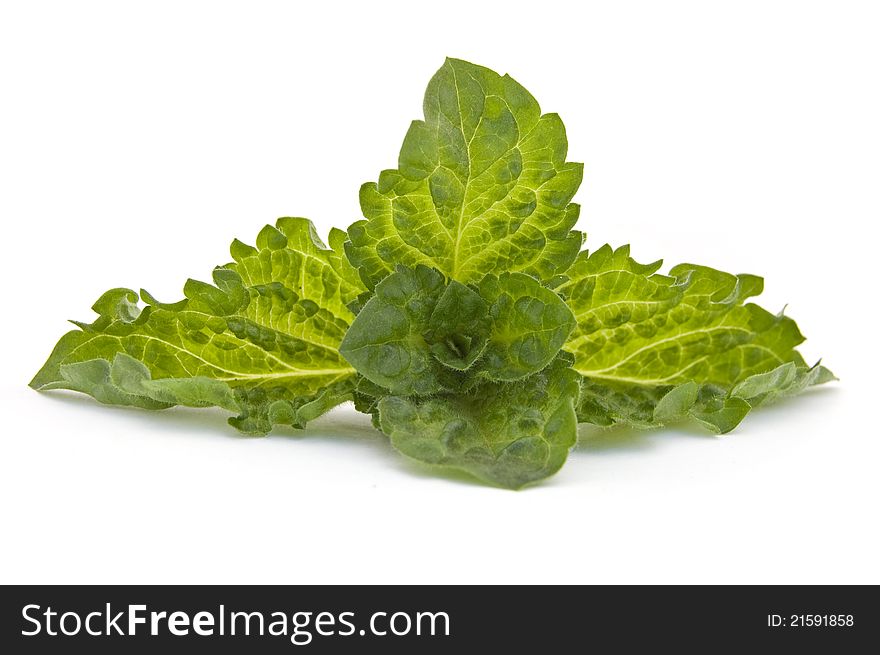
[(137, 139)]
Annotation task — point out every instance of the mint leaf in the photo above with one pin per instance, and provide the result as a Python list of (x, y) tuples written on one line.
[(459, 313), (457, 345), (716, 408), (530, 324), (420, 336), (385, 342), (482, 186), (262, 341), (506, 433), (460, 326), (654, 348)]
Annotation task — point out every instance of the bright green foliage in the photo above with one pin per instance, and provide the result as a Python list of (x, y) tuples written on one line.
[(482, 186), (654, 348), (419, 335), (262, 341), (458, 243), (464, 375), (506, 433), (720, 409), (459, 313)]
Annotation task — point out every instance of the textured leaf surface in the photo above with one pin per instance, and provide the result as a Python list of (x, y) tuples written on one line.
[(655, 348), (506, 433), (717, 408), (421, 336), (459, 313), (262, 341), (482, 186)]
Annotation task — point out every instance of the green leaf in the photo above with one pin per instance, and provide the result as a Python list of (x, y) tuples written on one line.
[(716, 408), (482, 186), (530, 324), (459, 327), (505, 433), (459, 313), (385, 342), (654, 348), (262, 341), (420, 336)]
